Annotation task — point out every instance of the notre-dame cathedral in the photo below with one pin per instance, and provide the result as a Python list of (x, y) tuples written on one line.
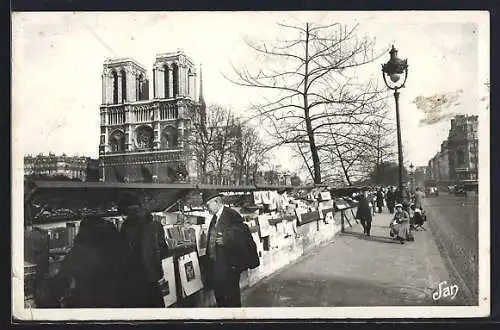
[(144, 139)]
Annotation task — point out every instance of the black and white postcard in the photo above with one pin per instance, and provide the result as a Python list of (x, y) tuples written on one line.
[(328, 165)]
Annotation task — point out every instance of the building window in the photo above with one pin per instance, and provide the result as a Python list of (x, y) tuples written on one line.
[(460, 158), (138, 82), (124, 86), (166, 81), (175, 75), (189, 82), (115, 87), (117, 141), (169, 137)]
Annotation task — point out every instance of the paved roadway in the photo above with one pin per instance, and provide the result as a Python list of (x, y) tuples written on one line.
[(353, 270), (453, 221)]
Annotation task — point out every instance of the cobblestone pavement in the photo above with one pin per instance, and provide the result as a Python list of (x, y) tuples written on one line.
[(454, 224), (354, 270)]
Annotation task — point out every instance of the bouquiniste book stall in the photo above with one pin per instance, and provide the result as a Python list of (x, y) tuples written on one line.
[(272, 213)]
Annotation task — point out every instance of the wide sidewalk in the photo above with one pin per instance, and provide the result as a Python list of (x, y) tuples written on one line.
[(354, 270)]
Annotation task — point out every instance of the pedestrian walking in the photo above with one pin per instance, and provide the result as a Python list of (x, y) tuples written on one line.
[(380, 200), (143, 270), (230, 250), (364, 213), (373, 201), (406, 196), (419, 197), (391, 199)]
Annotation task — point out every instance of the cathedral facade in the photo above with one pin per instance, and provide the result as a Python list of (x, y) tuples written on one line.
[(144, 139)]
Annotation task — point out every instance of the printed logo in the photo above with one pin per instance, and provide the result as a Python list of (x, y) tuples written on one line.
[(445, 291)]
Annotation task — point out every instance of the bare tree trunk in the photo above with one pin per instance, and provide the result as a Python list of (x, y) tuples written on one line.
[(310, 132)]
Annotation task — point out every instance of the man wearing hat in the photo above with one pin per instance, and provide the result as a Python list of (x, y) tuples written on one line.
[(364, 213), (226, 250)]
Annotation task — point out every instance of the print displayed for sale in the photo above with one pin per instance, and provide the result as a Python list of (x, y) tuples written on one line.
[(190, 274), (214, 176), (169, 284)]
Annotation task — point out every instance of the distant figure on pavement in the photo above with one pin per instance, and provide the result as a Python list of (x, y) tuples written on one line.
[(364, 214), (406, 197), (380, 200), (419, 197), (391, 199), (373, 200)]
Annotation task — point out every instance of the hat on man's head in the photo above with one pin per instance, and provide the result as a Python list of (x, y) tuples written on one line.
[(399, 205), (128, 199), (209, 194)]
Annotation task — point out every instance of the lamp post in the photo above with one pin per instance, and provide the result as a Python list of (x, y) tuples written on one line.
[(412, 178), (394, 68)]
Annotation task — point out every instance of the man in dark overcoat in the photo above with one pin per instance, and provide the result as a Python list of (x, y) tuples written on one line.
[(144, 242), (391, 199), (225, 249), (380, 200), (364, 213)]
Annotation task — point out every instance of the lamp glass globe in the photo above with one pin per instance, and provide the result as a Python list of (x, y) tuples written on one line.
[(395, 77)]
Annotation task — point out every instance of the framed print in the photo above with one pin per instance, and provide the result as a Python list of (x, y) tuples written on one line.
[(264, 226), (168, 286), (190, 274)]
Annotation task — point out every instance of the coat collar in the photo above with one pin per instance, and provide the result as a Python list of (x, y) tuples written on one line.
[(219, 213)]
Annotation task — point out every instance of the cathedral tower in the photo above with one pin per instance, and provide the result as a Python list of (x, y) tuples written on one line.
[(174, 75), (142, 139), (124, 80)]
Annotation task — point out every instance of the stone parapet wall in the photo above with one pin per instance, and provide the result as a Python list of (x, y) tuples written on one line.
[(310, 236)]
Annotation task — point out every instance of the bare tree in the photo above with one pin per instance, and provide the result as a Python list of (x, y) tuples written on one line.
[(249, 152), (362, 152), (352, 148), (222, 125), (224, 146), (200, 140), (307, 77), (384, 149)]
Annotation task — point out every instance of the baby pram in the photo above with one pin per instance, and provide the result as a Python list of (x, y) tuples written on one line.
[(418, 219)]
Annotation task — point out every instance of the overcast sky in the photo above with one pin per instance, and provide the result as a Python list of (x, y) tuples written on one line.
[(58, 57)]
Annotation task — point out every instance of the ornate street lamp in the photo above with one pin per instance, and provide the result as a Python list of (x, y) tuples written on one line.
[(412, 178), (394, 69)]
